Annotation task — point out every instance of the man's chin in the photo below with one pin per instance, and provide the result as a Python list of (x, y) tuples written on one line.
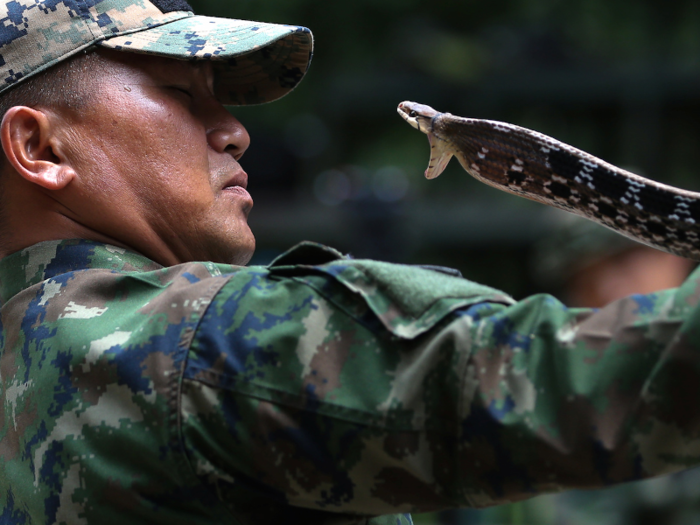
[(227, 245), (242, 251), (244, 259)]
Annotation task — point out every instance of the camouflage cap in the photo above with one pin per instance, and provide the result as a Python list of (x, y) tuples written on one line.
[(254, 62)]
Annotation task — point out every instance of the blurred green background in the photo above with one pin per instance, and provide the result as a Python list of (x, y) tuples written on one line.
[(334, 163)]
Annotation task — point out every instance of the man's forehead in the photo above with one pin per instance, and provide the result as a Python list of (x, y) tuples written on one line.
[(155, 66)]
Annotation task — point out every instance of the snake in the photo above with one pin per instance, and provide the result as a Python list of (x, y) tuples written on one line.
[(530, 164)]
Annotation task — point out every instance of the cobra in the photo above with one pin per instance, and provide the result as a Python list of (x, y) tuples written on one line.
[(527, 163)]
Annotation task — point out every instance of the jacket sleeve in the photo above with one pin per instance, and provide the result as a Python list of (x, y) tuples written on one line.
[(362, 388)]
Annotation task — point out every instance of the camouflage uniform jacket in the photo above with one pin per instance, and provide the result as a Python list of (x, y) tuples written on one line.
[(321, 390)]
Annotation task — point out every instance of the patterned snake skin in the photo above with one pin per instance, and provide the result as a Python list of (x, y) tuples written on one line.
[(540, 168)]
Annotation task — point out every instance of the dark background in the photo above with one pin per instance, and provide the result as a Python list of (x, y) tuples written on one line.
[(333, 162)]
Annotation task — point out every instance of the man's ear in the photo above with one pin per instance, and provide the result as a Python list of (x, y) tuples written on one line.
[(29, 143)]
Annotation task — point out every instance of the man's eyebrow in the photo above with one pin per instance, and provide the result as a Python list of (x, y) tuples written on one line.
[(198, 66), (182, 69)]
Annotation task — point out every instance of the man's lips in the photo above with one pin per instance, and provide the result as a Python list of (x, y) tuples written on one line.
[(238, 180), (237, 185)]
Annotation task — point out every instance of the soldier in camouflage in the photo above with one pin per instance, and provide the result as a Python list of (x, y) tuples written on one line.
[(148, 377)]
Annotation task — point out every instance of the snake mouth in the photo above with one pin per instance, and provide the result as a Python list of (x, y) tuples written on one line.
[(408, 115)]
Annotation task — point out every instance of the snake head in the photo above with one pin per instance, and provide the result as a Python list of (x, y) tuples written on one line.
[(417, 115), (422, 117)]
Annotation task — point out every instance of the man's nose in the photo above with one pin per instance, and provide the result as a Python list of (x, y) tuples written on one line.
[(227, 134)]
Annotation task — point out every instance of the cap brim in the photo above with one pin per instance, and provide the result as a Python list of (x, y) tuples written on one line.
[(254, 62)]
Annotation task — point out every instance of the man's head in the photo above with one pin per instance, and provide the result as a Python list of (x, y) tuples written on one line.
[(136, 149)]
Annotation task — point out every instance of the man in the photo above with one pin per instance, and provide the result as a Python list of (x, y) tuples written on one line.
[(141, 386)]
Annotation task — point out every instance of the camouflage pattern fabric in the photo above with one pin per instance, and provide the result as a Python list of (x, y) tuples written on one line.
[(241, 78), (321, 390), (255, 62)]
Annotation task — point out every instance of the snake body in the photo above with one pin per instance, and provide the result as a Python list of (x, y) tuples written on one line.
[(527, 163)]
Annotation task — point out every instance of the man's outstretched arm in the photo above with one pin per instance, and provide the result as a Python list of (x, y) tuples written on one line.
[(344, 389)]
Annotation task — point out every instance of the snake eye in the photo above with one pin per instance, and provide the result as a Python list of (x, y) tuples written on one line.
[(412, 114)]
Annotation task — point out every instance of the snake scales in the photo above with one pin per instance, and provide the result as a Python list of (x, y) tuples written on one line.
[(540, 168)]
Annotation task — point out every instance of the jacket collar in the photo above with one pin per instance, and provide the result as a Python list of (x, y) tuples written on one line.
[(46, 260)]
